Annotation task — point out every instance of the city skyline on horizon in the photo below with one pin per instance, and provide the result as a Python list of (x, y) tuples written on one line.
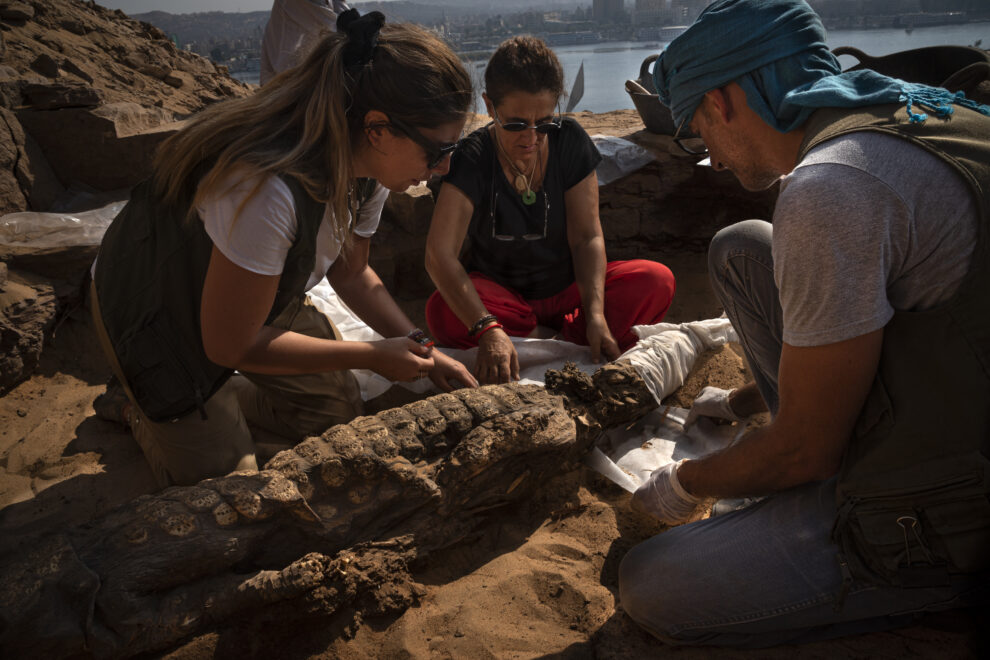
[(195, 6)]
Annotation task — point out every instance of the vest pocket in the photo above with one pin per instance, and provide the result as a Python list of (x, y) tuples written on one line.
[(962, 531), (163, 384), (919, 537)]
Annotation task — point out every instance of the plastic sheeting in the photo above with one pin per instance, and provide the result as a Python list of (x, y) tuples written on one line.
[(619, 158), (50, 230), (535, 355), (663, 357)]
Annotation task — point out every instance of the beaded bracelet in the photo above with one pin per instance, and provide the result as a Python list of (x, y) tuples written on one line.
[(496, 324), (481, 323), (420, 337)]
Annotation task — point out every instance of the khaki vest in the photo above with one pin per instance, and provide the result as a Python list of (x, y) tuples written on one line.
[(149, 279), (912, 491)]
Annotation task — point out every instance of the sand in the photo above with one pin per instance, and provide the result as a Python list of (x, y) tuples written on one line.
[(540, 580)]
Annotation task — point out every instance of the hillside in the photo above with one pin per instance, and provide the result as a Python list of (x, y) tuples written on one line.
[(77, 79)]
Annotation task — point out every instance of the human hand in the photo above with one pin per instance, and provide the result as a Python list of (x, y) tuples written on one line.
[(497, 359), (447, 369), (712, 402), (401, 359), (600, 339), (663, 497)]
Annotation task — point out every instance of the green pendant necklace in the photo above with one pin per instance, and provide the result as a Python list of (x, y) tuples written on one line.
[(522, 181)]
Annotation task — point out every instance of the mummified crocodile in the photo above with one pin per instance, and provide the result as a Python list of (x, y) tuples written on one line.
[(327, 527)]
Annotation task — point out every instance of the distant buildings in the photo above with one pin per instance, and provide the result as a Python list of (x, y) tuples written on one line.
[(667, 12), (608, 11)]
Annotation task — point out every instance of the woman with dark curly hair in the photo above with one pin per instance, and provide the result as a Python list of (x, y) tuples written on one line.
[(523, 189)]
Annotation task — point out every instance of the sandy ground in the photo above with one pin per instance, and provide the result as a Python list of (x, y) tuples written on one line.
[(539, 581)]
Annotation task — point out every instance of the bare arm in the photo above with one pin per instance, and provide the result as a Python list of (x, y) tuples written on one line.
[(359, 286), (233, 310), (497, 360), (587, 245), (822, 390)]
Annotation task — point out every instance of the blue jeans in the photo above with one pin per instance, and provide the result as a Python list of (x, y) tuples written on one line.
[(767, 574)]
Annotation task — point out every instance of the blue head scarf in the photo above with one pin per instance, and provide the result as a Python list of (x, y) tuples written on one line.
[(775, 50)]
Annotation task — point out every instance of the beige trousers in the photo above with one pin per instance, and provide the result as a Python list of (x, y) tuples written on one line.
[(189, 449)]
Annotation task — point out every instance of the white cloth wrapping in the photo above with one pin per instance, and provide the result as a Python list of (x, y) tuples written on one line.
[(663, 358), (665, 352)]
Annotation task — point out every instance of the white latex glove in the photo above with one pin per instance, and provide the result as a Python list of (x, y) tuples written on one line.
[(712, 402), (663, 496)]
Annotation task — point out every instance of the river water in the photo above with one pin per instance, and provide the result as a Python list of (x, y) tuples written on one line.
[(608, 65)]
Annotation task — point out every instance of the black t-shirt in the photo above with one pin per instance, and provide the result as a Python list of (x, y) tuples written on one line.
[(535, 268)]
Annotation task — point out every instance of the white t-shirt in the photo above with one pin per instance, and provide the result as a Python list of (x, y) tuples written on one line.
[(866, 225), (292, 30), (262, 234)]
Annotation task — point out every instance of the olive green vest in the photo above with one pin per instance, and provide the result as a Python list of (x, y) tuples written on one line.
[(149, 280), (912, 491)]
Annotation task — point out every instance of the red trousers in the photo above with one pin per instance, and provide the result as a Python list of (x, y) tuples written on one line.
[(637, 292)]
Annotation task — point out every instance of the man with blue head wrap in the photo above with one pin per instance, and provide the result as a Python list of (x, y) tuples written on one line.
[(863, 313)]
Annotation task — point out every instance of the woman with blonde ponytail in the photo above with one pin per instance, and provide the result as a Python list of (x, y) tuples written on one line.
[(204, 272)]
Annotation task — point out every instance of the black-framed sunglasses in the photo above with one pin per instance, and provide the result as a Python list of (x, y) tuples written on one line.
[(502, 236), (435, 152), (543, 127), (692, 145), (689, 142)]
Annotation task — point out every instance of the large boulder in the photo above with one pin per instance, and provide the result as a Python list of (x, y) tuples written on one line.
[(27, 312), (107, 147), (95, 93)]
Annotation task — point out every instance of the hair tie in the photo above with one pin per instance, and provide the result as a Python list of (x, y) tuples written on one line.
[(362, 35)]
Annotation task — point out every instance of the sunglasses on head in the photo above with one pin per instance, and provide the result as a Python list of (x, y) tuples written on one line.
[(435, 152), (543, 127)]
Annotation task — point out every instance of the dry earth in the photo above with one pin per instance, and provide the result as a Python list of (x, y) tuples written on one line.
[(539, 580)]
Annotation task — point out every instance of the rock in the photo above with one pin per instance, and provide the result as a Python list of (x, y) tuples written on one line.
[(73, 25), (400, 242), (46, 66), (61, 95), (16, 11), (68, 66), (11, 196), (105, 148), (27, 312), (620, 224), (175, 79), (74, 56), (155, 71), (35, 177)]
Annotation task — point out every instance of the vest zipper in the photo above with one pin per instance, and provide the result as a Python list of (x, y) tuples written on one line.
[(847, 580), (200, 403)]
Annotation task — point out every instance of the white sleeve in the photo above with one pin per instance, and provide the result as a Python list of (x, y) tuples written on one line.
[(371, 213), (257, 238)]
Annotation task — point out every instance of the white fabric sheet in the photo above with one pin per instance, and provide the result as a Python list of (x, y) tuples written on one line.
[(663, 357)]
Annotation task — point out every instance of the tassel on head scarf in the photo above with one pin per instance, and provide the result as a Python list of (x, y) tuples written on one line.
[(775, 50)]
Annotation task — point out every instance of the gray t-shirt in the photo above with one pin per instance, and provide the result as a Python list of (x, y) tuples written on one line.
[(865, 225)]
